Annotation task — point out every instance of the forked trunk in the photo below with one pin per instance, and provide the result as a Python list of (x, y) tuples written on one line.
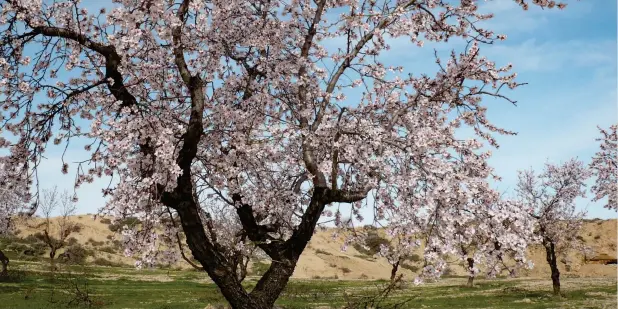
[(220, 269), (266, 291), (470, 277), (550, 251)]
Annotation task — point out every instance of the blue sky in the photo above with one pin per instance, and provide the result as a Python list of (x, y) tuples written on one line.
[(567, 57)]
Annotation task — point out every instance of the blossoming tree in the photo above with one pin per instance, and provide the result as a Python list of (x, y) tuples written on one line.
[(605, 167), (498, 231), (243, 102), (550, 198)]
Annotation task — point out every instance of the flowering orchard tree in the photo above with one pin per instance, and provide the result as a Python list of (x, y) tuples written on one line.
[(550, 198), (399, 250), (502, 229), (605, 167), (243, 103)]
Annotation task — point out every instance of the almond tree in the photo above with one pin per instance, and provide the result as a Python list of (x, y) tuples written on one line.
[(56, 228), (605, 167), (503, 230), (246, 100), (550, 198)]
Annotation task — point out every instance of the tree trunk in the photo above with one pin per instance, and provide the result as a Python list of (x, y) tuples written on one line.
[(52, 258), (213, 261), (5, 263), (394, 271), (220, 269), (470, 276), (550, 251)]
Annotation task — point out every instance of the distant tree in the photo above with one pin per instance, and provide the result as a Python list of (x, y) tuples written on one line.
[(550, 198), (497, 230), (605, 167), (55, 230), (398, 251)]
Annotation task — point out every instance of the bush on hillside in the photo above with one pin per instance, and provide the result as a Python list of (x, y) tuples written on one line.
[(75, 254), (373, 241), (129, 222)]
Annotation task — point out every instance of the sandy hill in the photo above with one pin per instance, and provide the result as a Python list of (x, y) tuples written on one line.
[(323, 257)]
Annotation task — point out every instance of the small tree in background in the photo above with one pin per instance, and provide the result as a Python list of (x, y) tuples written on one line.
[(605, 167), (501, 230), (550, 198), (398, 250), (55, 232)]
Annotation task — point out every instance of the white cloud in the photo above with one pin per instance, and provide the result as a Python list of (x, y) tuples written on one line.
[(510, 18)]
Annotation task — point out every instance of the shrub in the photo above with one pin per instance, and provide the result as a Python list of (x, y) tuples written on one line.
[(71, 241), (31, 239), (76, 228), (345, 270), (105, 262), (373, 241), (409, 267), (108, 249), (38, 236), (320, 251), (413, 258), (75, 254), (106, 221), (95, 243), (597, 237)]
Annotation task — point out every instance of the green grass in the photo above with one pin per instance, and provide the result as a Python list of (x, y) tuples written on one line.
[(116, 288)]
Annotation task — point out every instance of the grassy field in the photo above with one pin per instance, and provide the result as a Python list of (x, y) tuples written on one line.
[(32, 287)]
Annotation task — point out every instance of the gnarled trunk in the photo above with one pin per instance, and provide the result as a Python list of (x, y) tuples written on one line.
[(221, 270), (470, 276), (550, 251)]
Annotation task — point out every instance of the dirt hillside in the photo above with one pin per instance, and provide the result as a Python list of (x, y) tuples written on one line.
[(323, 257)]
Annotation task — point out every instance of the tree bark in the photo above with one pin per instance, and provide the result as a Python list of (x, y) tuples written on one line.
[(394, 271), (470, 277), (550, 251), (52, 256), (5, 263)]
